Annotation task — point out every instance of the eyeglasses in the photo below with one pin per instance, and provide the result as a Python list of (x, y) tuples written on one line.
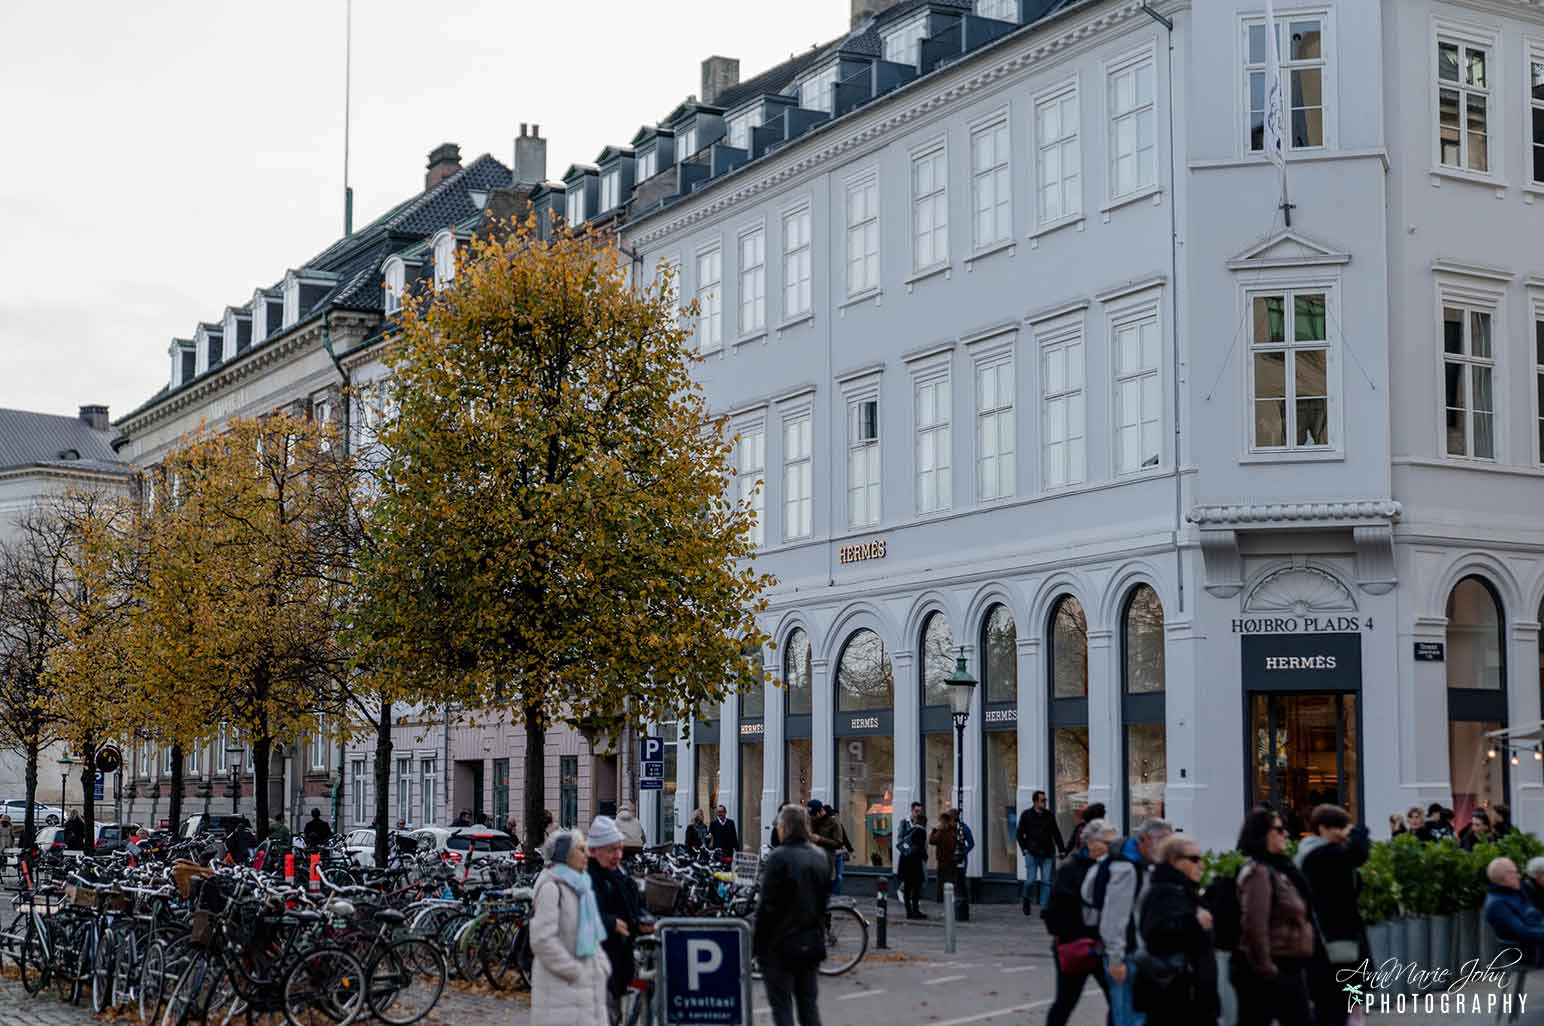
[(1277, 828), (1188, 858)]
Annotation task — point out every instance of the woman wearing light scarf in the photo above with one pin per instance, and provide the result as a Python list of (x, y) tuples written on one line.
[(568, 980)]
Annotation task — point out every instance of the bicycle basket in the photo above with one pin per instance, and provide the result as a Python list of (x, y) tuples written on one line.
[(201, 928), (80, 897), (660, 894), (184, 873)]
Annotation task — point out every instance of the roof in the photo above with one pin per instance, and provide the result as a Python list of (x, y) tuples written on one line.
[(41, 440)]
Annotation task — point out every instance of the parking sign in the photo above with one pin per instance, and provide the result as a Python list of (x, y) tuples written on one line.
[(705, 972), (651, 775)]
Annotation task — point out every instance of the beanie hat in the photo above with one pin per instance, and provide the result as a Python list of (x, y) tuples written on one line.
[(604, 831)]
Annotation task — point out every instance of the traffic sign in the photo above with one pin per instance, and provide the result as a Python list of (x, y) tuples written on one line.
[(651, 767), (653, 749), (99, 786), (651, 785), (705, 977)]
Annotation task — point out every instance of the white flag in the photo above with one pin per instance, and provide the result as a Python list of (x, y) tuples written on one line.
[(1275, 117)]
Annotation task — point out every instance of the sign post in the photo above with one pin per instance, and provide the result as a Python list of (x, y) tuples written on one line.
[(704, 973), (651, 765)]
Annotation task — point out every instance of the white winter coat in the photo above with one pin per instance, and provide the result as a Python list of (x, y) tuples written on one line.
[(565, 989)]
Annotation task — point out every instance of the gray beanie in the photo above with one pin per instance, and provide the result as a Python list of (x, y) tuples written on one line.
[(604, 831)]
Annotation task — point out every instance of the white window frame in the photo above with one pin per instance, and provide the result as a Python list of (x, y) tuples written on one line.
[(394, 280), (865, 461), (1147, 380), (1334, 420), (357, 791), (1471, 36), (610, 189), (428, 787), (752, 273), (1472, 299), (318, 746), (1063, 458), (191, 761), (798, 473), (862, 234), (168, 764), (648, 161), (798, 260), (573, 204), (1002, 10), (1327, 80), (221, 742), (291, 299), (999, 419), (750, 455), (444, 259), (1070, 186), (933, 486), (740, 126), (709, 269), (1131, 63), (930, 206), (996, 177), (405, 790), (146, 760), (814, 90), (1533, 150), (901, 43), (686, 141)]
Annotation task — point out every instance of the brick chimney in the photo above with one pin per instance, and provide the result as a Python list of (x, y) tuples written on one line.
[(530, 156), (862, 9), (444, 161), (718, 75), (95, 417)]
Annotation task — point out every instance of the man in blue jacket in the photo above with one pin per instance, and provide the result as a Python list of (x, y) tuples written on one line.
[(1510, 913)]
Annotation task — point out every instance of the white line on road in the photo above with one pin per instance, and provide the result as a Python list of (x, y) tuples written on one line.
[(979, 1016), (860, 994), (1020, 969), (945, 979)]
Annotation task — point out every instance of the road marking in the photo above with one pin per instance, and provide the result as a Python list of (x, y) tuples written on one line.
[(860, 994), (1020, 969), (979, 1016), (945, 979)]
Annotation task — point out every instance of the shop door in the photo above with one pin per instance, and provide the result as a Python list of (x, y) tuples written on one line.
[(1303, 752)]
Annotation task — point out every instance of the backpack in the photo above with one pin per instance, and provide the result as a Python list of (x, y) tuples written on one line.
[(1102, 883), (1063, 913), (1221, 900)]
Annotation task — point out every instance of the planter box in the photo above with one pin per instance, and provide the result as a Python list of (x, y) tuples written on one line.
[(1381, 940), (1466, 934), (1417, 949), (1444, 934)]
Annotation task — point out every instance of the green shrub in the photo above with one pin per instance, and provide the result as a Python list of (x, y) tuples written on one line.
[(1379, 898)]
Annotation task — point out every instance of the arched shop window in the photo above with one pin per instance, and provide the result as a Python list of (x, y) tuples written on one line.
[(706, 738), (798, 759), (936, 659), (752, 728), (1000, 736), (865, 748), (1477, 701), (1067, 659), (1142, 701)]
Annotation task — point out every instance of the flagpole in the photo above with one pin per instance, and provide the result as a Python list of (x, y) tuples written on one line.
[(1275, 113)]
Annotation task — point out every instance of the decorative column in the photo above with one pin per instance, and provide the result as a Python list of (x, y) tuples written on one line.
[(1183, 788), (1034, 754), (774, 752), (908, 738), (1527, 796), (729, 757), (822, 724), (1425, 764), (1104, 748)]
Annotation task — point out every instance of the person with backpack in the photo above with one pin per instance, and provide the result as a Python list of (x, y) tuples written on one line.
[(1276, 932), (1089, 814), (1329, 859), (911, 859), (1074, 945), (1176, 967), (1109, 892), (789, 937)]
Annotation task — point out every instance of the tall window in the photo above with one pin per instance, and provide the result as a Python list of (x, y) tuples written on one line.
[(1068, 661), (221, 741), (444, 260), (168, 761), (500, 793), (686, 142), (863, 676), (1133, 127), (995, 456), (863, 236), (753, 281), (796, 262), (936, 660), (568, 791), (427, 775), (750, 475), (356, 782), (394, 283), (146, 760), (1138, 403), (798, 751), (575, 203), (991, 188), (740, 127), (815, 91), (610, 189), (319, 746), (1463, 105), (1468, 366), (935, 483), (192, 761), (1477, 701), (1538, 365), (900, 43), (1300, 46), (1000, 736), (1289, 367), (648, 161), (1002, 10), (797, 672), (1536, 115), (929, 209), (405, 790), (1062, 424), (710, 314), (863, 462), (1142, 706), (798, 477)]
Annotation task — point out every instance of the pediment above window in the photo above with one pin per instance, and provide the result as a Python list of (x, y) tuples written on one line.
[(1288, 248)]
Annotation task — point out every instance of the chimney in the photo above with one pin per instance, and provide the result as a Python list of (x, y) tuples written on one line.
[(718, 75), (95, 417), (530, 156), (444, 161), (862, 9)]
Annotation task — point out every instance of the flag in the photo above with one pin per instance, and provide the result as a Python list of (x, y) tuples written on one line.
[(1275, 117)]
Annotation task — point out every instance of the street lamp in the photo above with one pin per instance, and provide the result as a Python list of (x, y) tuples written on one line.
[(962, 687), (65, 762), (233, 755)]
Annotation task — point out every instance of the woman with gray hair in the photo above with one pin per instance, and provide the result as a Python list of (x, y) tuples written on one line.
[(568, 977), (1533, 881)]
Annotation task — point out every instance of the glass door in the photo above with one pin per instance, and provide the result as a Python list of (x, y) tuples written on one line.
[(1303, 752)]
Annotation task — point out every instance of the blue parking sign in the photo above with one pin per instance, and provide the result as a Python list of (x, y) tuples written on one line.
[(99, 786), (653, 749), (706, 978)]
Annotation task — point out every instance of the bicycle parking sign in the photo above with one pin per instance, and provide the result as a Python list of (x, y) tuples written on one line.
[(705, 977)]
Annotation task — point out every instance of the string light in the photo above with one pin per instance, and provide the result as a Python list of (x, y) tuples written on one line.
[(1490, 754), (1514, 758)]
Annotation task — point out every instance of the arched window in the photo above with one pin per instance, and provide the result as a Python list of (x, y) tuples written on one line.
[(865, 748), (752, 753), (1067, 662), (863, 676), (1000, 643), (798, 756), (796, 672), (1142, 705), (1000, 738), (1477, 701), (394, 278), (936, 661), (444, 259)]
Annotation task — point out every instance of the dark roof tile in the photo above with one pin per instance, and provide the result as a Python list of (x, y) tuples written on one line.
[(41, 439)]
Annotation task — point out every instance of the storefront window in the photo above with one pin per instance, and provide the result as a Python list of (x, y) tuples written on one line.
[(1002, 788), (1477, 700), (937, 660), (1473, 637), (798, 771), (865, 775), (1000, 639), (1068, 667), (1069, 650), (864, 679), (667, 796), (750, 795), (1070, 753), (937, 774), (753, 701), (1144, 642), (1145, 772), (705, 789), (1477, 776), (1142, 705), (796, 672)]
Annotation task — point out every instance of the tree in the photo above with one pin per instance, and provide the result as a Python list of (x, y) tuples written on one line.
[(551, 526)]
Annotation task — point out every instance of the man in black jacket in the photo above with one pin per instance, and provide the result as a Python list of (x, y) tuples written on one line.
[(911, 859), (1329, 859), (318, 831), (616, 897), (723, 833), (1041, 842), (789, 938)]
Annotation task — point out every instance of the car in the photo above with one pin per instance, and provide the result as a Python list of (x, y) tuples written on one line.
[(205, 823), (16, 808), (360, 843), (112, 837), (455, 843), (51, 839)]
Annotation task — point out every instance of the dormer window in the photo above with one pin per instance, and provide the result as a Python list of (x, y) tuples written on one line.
[(291, 299), (1002, 10), (741, 124), (815, 91), (901, 42), (687, 143), (259, 317), (444, 259), (610, 189), (648, 163), (394, 277), (575, 210)]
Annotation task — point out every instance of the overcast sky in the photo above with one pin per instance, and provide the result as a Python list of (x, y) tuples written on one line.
[(166, 157)]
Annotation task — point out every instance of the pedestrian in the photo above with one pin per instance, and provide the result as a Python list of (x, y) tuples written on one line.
[(789, 936), (74, 833), (1109, 894), (723, 833), (773, 840), (1176, 970), (1510, 914), (401, 824), (1074, 945), (1477, 832), (697, 832), (1328, 859), (482, 820), (911, 859), (826, 834), (281, 838), (830, 828), (616, 897), (239, 842), (7, 838), (569, 969), (135, 846), (1091, 812), (1040, 841), (944, 839), (1533, 882), (318, 831), (463, 818), (510, 827), (549, 825), (1276, 934), (633, 837), (1437, 825), (1501, 820)]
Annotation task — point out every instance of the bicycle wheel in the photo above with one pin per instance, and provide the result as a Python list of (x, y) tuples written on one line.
[(182, 1001), (467, 945), (34, 958), (846, 941), (404, 981), (66, 962), (125, 968), (325, 988), (151, 985), (102, 971), (498, 956)]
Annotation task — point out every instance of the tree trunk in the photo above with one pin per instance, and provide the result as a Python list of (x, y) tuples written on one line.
[(535, 777), (88, 794), (261, 746), (382, 783), (29, 828), (174, 802)]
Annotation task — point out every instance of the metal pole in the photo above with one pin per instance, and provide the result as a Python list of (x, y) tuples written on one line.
[(949, 938), (963, 912), (882, 920)]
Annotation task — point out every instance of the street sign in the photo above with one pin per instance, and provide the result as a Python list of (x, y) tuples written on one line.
[(99, 786), (653, 749), (705, 977), (747, 866), (109, 759), (1429, 651), (646, 784), (651, 767)]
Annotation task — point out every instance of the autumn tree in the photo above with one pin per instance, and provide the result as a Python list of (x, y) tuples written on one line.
[(552, 531)]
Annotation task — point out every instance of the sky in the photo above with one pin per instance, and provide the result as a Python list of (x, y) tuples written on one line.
[(166, 157)]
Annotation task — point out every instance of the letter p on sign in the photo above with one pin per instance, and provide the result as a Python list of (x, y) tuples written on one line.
[(702, 957)]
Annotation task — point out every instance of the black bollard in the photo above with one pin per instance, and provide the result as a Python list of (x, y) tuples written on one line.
[(882, 923)]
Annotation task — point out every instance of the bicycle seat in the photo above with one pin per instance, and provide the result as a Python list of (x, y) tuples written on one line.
[(390, 915), (305, 915), (723, 877)]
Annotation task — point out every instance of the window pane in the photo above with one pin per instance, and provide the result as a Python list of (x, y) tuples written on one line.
[(1474, 67), (750, 795), (1473, 638), (865, 775), (705, 783), (1069, 650), (1257, 44), (864, 679), (1478, 117), (937, 660), (1307, 41), (1002, 657), (1477, 778), (1070, 748), (1447, 126), (800, 771), (1479, 334), (1270, 319), (937, 773), (1447, 61), (1309, 366), (1452, 330), (796, 672), (1308, 318), (1144, 643), (1312, 422), (1002, 787), (1146, 770)]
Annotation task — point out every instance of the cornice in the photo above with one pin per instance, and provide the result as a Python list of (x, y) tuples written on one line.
[(827, 143), (1299, 514), (69, 474), (1506, 8)]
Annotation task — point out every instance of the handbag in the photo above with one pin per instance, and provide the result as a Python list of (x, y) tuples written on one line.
[(1078, 957)]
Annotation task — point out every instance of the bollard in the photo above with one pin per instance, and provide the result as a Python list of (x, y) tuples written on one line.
[(949, 940), (289, 869), (315, 884), (882, 921)]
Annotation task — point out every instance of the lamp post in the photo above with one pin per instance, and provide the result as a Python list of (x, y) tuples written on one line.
[(65, 762), (962, 686), (233, 755)]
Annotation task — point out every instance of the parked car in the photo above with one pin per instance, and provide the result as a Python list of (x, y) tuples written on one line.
[(16, 808), (112, 837), (456, 843), (201, 823), (51, 839)]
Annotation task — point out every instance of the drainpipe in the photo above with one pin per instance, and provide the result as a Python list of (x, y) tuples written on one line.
[(344, 419)]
